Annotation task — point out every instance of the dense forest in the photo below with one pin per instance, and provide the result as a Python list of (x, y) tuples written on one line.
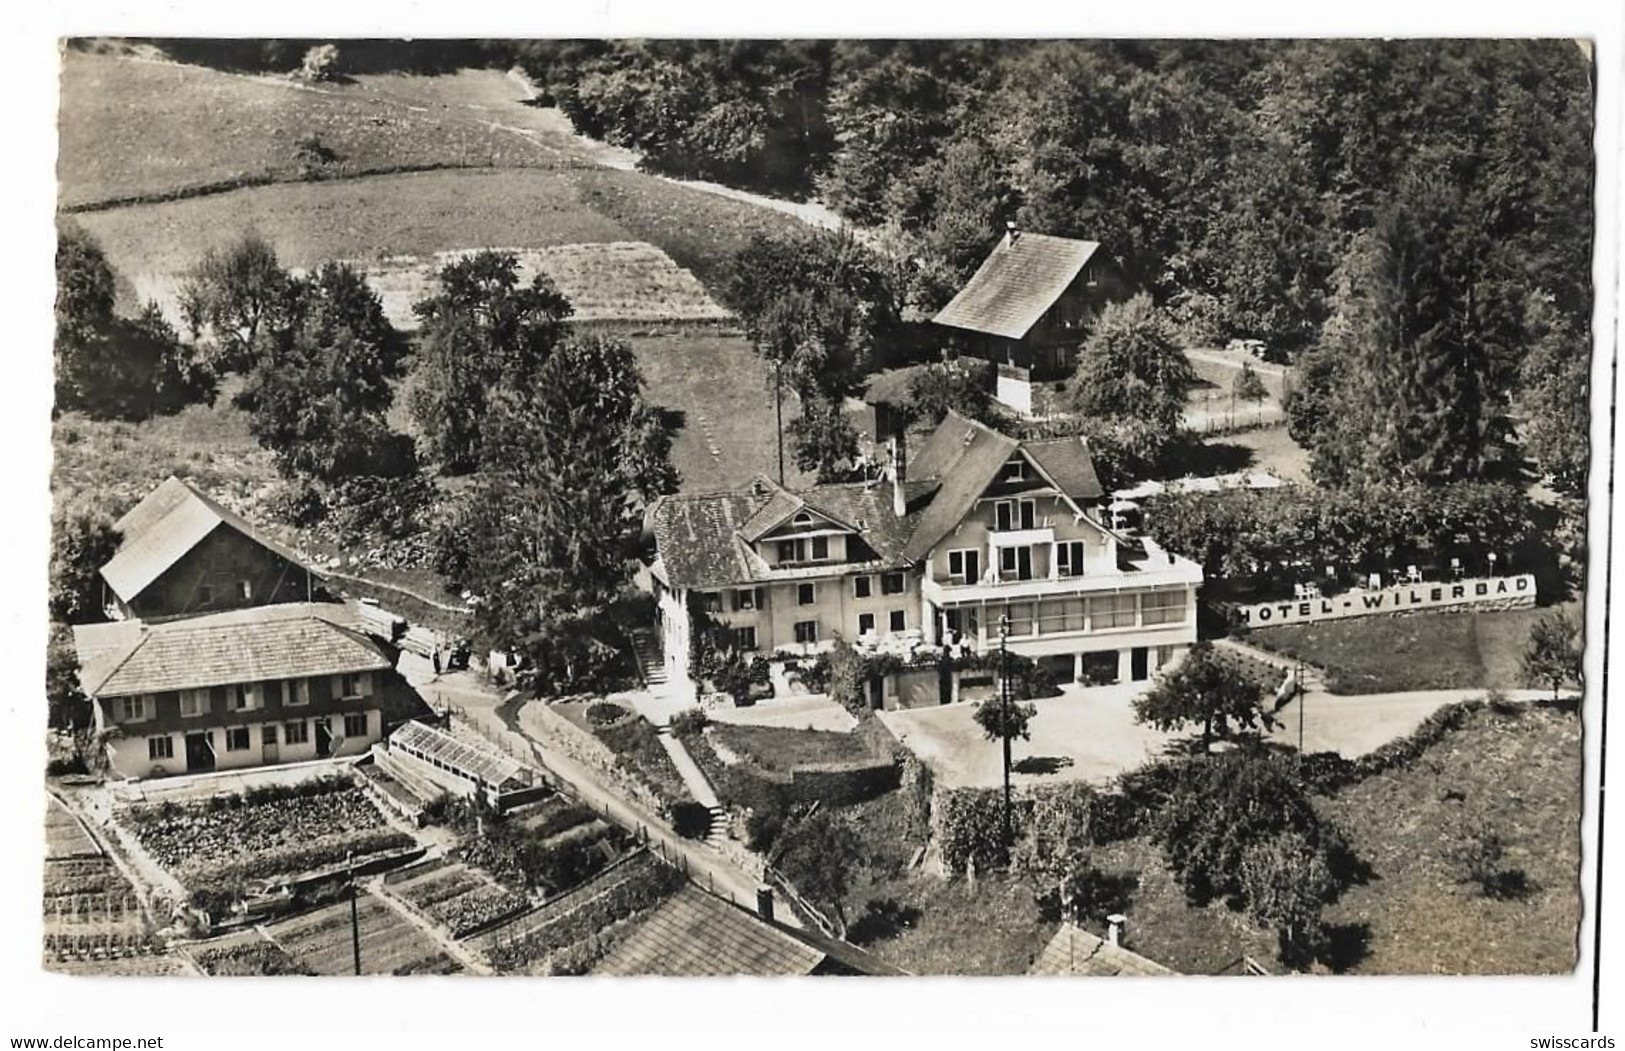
[(1407, 221)]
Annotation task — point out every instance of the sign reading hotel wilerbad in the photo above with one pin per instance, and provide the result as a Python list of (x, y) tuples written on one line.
[(1403, 598)]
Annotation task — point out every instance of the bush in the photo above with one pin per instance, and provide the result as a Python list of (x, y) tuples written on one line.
[(968, 824), (1481, 860), (605, 713), (688, 722), (691, 820)]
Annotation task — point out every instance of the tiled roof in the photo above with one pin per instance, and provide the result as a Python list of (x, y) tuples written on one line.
[(172, 520), (1075, 952), (1016, 284), (1068, 464), (247, 645), (698, 539), (963, 457), (696, 935), (701, 546)]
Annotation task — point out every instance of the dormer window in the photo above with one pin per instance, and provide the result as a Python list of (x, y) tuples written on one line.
[(1014, 471), (803, 520), (814, 549)]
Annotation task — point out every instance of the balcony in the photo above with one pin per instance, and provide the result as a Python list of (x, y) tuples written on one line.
[(1020, 537), (950, 594)]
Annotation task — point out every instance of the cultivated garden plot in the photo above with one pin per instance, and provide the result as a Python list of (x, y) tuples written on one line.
[(90, 909), (230, 840), (321, 941), (610, 281)]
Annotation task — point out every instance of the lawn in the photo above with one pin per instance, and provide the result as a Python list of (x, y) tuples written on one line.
[(780, 749), (1516, 774), (1417, 652), (132, 127), (721, 390)]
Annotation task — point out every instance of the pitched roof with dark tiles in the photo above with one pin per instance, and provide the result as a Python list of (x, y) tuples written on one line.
[(696, 935), (1018, 281), (1075, 952), (963, 457), (170, 521), (1067, 463), (248, 645)]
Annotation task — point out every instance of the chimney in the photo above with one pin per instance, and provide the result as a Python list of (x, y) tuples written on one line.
[(764, 902), (899, 474), (1012, 232), (1114, 928)]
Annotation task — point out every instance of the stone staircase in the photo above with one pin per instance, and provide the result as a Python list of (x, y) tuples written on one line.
[(717, 831), (651, 663)]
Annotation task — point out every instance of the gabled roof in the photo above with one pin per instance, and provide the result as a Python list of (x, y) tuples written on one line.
[(1067, 463), (1020, 280), (157, 532), (246, 645), (1074, 951), (703, 539), (694, 934), (963, 457), (781, 506)]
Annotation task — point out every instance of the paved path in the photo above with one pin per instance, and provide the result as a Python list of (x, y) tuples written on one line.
[(805, 711), (1354, 725), (693, 777)]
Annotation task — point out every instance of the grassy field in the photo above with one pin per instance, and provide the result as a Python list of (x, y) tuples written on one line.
[(1517, 775), (781, 749), (132, 127), (1419, 652), (722, 392)]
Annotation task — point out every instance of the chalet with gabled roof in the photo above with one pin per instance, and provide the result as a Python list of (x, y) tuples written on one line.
[(1027, 309), (182, 553), (979, 530)]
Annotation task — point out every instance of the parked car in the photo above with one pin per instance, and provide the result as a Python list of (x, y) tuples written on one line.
[(1255, 347)]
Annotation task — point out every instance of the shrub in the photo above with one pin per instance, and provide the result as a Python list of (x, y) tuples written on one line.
[(691, 820), (1481, 860), (605, 713), (968, 824), (689, 721)]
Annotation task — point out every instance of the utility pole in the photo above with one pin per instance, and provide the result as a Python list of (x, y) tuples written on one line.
[(1004, 704), (1303, 696), (778, 412), (355, 921)]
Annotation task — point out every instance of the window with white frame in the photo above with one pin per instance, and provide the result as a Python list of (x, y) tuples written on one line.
[(295, 733), (861, 587), (891, 583), (194, 703), (352, 685), (1015, 514), (899, 620), (806, 594), (245, 696), (964, 565), (298, 692), (1162, 607), (237, 739), (866, 623), (1111, 611), (355, 724), (133, 709), (806, 631), (747, 599), (820, 548), (1013, 470), (268, 735), (745, 638), (1069, 558), (160, 748)]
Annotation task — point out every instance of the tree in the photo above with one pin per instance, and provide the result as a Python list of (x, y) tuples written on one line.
[(1132, 378), (547, 535), (960, 386), (1414, 398), (823, 440), (321, 380), (817, 855), (108, 366), (1247, 386), (1220, 808), (230, 295), (320, 63), (82, 542), (1554, 655), (1553, 402), (482, 331), (1206, 691), (1000, 722), (66, 706), (1287, 882)]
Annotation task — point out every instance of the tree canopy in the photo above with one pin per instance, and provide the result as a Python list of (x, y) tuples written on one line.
[(1205, 691)]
